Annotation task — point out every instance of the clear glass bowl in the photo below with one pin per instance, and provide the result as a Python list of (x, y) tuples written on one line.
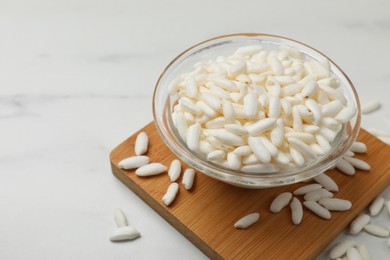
[(226, 45)]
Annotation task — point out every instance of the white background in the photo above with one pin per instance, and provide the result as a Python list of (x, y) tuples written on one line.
[(76, 79)]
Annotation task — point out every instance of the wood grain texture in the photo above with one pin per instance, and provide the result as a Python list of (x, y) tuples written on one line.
[(206, 214)]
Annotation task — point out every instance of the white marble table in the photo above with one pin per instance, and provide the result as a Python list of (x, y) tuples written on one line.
[(76, 79)]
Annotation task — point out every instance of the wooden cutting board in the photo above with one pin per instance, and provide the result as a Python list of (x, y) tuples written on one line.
[(206, 214)]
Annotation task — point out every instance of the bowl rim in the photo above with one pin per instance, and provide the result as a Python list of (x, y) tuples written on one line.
[(259, 176)]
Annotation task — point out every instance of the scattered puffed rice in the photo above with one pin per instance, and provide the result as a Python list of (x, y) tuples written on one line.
[(317, 209), (280, 202), (364, 253), (296, 211), (358, 147), (317, 195), (188, 178), (141, 143), (174, 170), (335, 204), (124, 233), (345, 167), (353, 254), (170, 195), (133, 162), (376, 206), (327, 182), (307, 188), (247, 221), (358, 223), (370, 107), (342, 248), (357, 163), (120, 218), (150, 169), (376, 230)]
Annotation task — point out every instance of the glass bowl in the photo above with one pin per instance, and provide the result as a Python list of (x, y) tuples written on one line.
[(226, 45)]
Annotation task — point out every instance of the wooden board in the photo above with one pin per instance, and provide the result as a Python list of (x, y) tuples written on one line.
[(206, 214)]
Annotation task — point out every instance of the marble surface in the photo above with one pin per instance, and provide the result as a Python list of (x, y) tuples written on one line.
[(76, 79)]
